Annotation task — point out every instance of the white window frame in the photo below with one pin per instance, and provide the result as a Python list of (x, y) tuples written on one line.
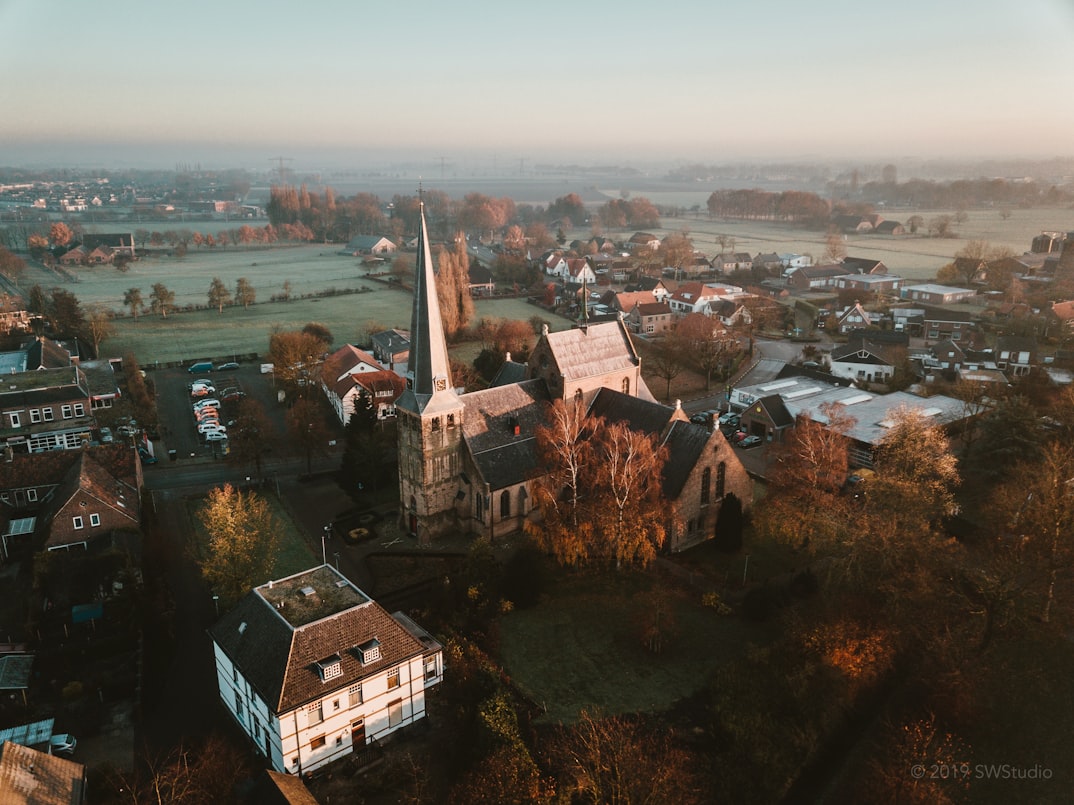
[(315, 711), (80, 409), (393, 679), (47, 414), (77, 522), (15, 421), (354, 695), (31, 495), (94, 520), (35, 416), (65, 411)]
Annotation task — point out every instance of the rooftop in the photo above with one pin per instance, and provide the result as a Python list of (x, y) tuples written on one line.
[(312, 595)]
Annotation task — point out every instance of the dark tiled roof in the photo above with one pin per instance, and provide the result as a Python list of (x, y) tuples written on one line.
[(685, 442), (509, 372), (1016, 343), (88, 488), (280, 660), (776, 410), (501, 456), (638, 414)]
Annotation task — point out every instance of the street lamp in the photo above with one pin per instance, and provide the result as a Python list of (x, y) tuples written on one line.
[(216, 605), (325, 533)]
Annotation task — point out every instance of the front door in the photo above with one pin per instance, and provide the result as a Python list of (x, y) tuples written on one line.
[(358, 734)]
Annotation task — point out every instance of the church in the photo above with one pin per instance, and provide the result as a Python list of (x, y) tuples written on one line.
[(467, 461)]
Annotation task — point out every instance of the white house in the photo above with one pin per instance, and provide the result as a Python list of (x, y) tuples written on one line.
[(312, 669)]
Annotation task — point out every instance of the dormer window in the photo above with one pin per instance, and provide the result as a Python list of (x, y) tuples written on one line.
[(330, 667), (369, 651)]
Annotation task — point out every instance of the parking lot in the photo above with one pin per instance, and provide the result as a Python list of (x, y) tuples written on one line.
[(178, 429)]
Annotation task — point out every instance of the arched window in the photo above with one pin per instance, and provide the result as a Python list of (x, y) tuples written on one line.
[(505, 504), (721, 478), (626, 385), (479, 507), (706, 485), (578, 396)]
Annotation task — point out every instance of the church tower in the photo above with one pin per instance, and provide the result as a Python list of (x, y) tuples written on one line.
[(429, 414)]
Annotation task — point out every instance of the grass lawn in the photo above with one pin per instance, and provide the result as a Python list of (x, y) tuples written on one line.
[(582, 646), (293, 556)]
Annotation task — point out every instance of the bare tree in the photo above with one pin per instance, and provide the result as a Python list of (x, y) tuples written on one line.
[(99, 326)]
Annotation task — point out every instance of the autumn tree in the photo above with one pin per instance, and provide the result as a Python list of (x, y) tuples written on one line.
[(11, 265), (99, 326), (563, 449), (219, 295), (666, 361), (677, 250), (161, 299), (306, 425), (242, 539), (60, 234), (453, 288), (245, 294), (251, 435), (622, 759), (296, 355), (132, 298), (707, 342), (835, 247), (628, 470), (319, 331)]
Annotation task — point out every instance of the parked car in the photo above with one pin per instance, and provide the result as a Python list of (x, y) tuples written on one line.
[(201, 381), (215, 436), (63, 744), (207, 403), (232, 395), (127, 430), (146, 456), (737, 436), (205, 427), (729, 418), (202, 391), (230, 366), (750, 441), (106, 436)]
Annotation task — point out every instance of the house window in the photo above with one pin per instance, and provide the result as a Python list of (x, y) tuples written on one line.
[(317, 742), (706, 485), (315, 713), (721, 478), (354, 695), (393, 678), (430, 668), (80, 409), (339, 739), (335, 704), (238, 709), (395, 713), (31, 495), (65, 410), (14, 420), (77, 522), (505, 504), (369, 651), (94, 520), (47, 414), (35, 415), (234, 674)]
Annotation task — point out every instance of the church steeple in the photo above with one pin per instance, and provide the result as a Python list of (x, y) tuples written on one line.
[(428, 374)]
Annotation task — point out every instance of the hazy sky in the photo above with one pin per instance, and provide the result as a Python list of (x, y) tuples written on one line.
[(593, 80)]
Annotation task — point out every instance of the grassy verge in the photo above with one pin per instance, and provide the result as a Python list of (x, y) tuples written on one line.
[(584, 645)]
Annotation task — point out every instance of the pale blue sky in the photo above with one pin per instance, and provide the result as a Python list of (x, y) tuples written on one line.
[(710, 80)]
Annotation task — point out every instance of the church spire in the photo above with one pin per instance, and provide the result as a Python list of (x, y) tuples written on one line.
[(428, 373)]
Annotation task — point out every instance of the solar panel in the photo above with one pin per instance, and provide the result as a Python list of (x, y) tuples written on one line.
[(29, 734)]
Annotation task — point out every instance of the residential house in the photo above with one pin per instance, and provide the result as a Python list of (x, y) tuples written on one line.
[(312, 669), (555, 264), (948, 356), (1016, 355), (626, 300), (791, 260), (813, 278), (858, 224), (692, 297), (869, 283), (579, 272), (942, 324), (650, 318), (15, 321), (768, 261), (74, 256), (375, 245), (49, 409), (932, 294), (864, 265), (391, 348), (730, 312), (118, 243), (655, 285), (1048, 242), (42, 494), (866, 361), (1060, 317), (336, 373), (383, 387), (889, 228), (30, 777), (725, 263), (855, 317), (481, 282), (643, 240)]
